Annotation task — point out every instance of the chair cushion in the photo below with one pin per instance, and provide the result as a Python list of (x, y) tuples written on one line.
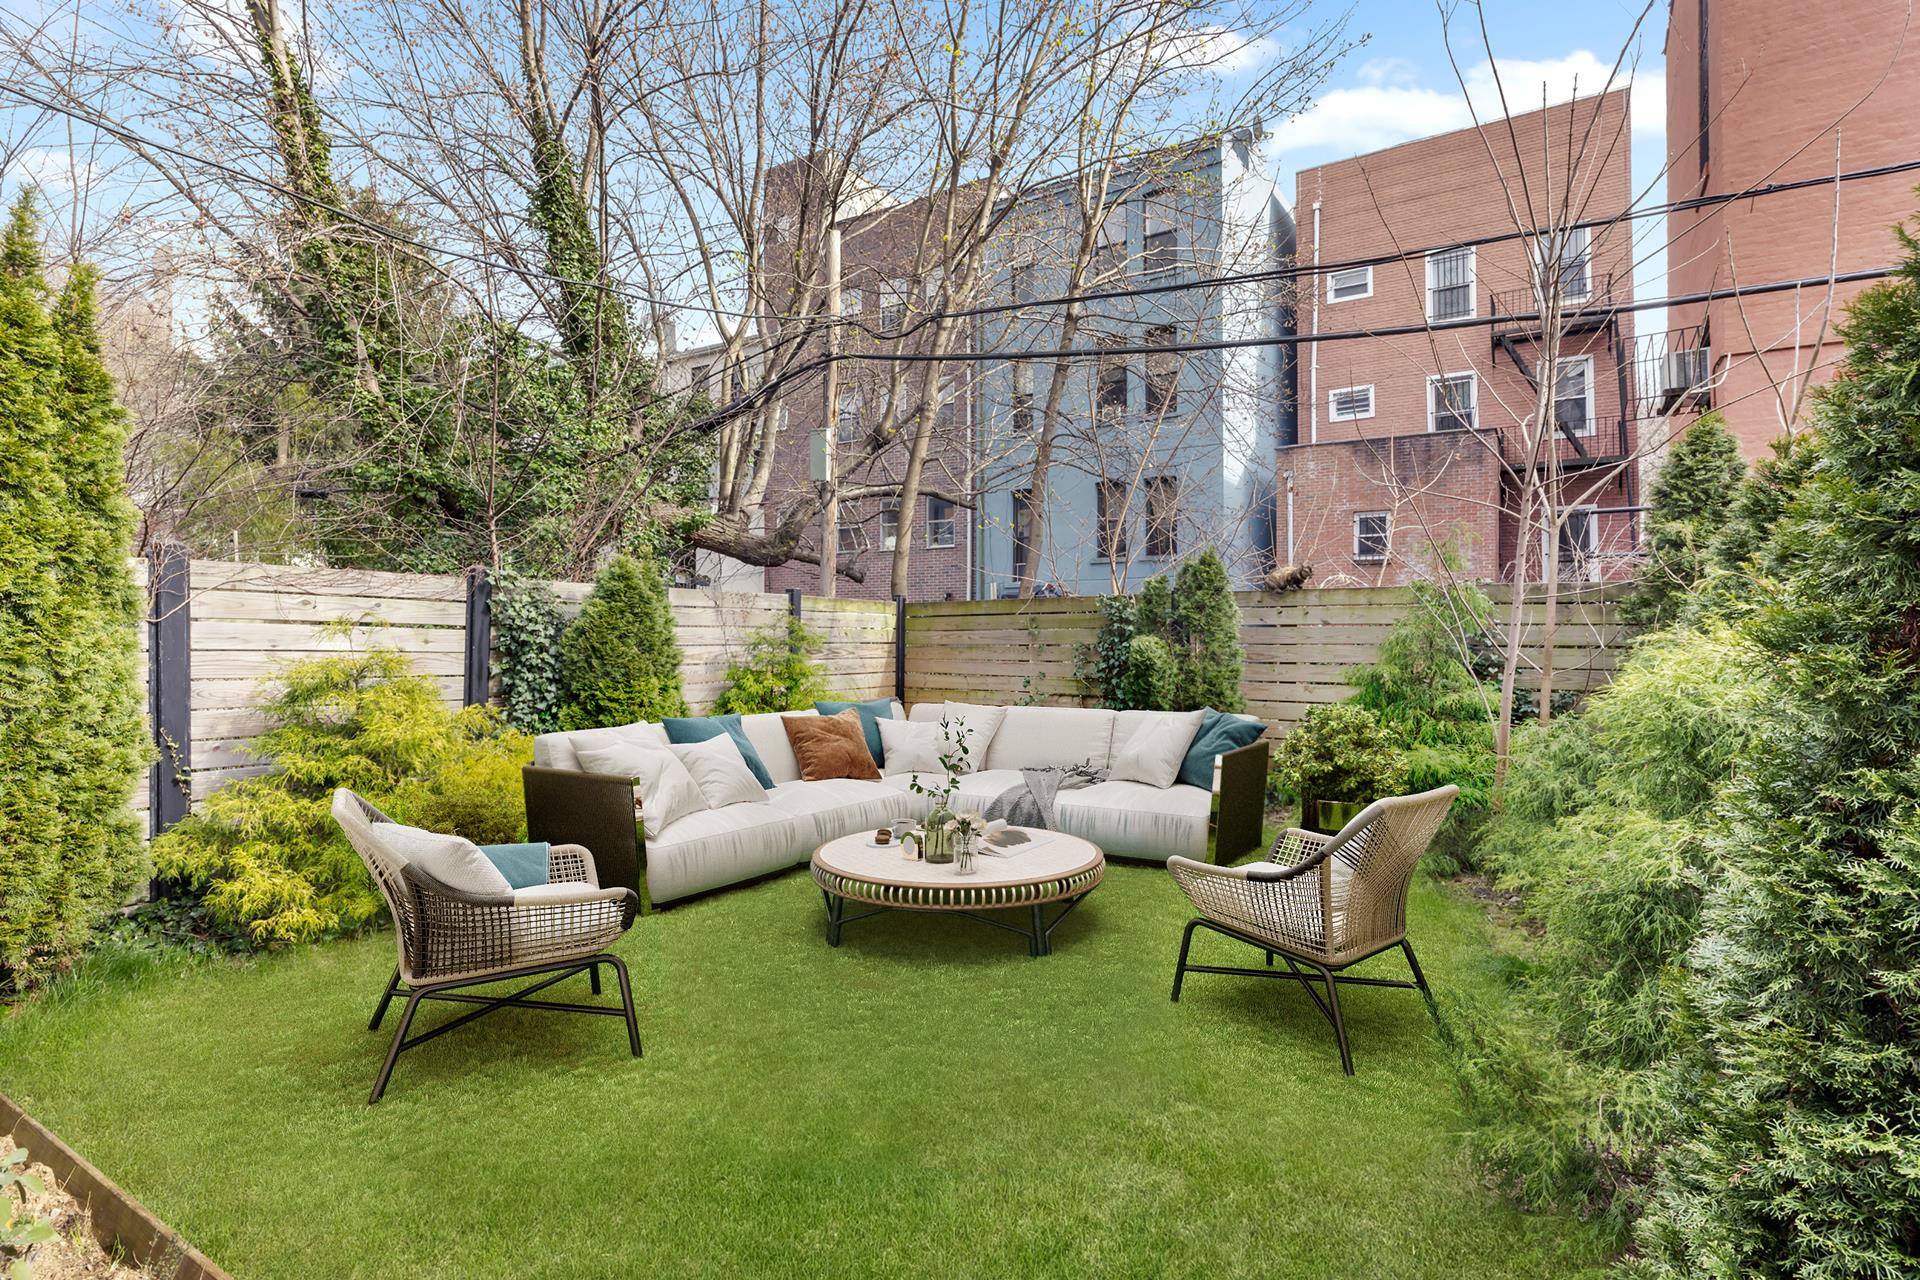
[(872, 712), (690, 729), (910, 748), (767, 730), (831, 747), (1134, 820), (720, 772), (1043, 737), (1219, 732), (524, 865), (662, 785), (1156, 749), (835, 807), (454, 861), (716, 847), (981, 725), (562, 750)]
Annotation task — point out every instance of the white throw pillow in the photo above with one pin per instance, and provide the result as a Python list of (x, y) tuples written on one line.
[(664, 788), (981, 724), (911, 747), (721, 772), (454, 861), (1154, 753)]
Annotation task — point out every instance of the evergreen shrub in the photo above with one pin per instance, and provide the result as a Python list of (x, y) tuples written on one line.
[(1149, 682), (527, 625), (1204, 634), (778, 672), (72, 743), (620, 659)]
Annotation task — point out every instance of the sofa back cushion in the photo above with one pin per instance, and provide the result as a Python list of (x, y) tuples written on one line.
[(769, 737), (1036, 737), (1154, 750), (561, 750), (684, 730)]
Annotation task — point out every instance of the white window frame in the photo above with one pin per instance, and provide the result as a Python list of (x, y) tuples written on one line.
[(888, 506), (1333, 400), (952, 523), (1333, 287), (1473, 285), (1586, 260), (1550, 541), (1433, 403), (1587, 360), (1386, 536)]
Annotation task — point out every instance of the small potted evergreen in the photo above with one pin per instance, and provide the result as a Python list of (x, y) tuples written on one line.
[(1335, 762)]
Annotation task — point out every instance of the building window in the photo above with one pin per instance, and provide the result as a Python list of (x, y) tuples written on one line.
[(1350, 285), (1451, 402), (1163, 517), (1450, 284), (893, 303), (1573, 395), (1110, 391), (852, 537), (1112, 520), (1023, 282), (1163, 373), (1022, 397), (1370, 530), (1109, 245), (1575, 265), (1159, 241), (1350, 403), (1026, 526), (940, 525), (1580, 543), (697, 378), (847, 429)]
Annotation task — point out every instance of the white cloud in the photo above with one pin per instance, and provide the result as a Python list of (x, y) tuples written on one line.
[(50, 170), (1388, 106), (1228, 53)]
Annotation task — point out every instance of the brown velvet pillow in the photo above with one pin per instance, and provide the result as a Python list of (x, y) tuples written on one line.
[(832, 746)]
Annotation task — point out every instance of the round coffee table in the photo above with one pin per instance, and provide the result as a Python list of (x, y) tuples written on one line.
[(1059, 869)]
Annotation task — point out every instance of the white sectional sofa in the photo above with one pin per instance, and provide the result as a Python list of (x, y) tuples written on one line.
[(706, 850)]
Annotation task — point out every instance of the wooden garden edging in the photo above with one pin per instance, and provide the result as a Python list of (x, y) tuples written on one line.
[(120, 1223)]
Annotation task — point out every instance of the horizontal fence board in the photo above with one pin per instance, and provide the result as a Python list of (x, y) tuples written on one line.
[(223, 575)]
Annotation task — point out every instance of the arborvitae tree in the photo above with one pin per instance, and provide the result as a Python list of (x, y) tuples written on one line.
[(1150, 678), (1205, 636), (71, 739), (620, 660), (1797, 1154), (1153, 608), (1688, 506)]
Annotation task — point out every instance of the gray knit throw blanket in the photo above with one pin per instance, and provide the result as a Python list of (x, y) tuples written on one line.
[(1030, 802)]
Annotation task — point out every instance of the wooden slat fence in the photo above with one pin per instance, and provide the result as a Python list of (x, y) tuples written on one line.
[(248, 621), (1299, 645)]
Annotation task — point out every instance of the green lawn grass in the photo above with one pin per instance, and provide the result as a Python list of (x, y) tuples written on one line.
[(924, 1101)]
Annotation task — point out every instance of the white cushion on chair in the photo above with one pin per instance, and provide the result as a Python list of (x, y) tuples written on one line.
[(454, 861), (910, 747), (1134, 820), (828, 808), (1155, 750), (1044, 737), (720, 771), (666, 791), (981, 724), (716, 847)]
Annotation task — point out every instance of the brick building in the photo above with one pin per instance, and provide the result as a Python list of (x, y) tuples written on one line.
[(885, 284), (1761, 92), (1404, 444)]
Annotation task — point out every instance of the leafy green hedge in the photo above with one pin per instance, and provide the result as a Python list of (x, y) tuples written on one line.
[(72, 745), (620, 659)]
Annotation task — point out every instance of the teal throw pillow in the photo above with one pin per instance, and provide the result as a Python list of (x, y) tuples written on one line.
[(685, 729), (1218, 732), (524, 865), (870, 711)]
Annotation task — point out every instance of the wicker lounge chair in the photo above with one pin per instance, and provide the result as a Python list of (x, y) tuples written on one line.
[(448, 939), (1322, 902)]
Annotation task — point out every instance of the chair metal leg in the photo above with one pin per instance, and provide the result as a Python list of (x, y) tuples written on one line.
[(594, 977), (386, 998), (1180, 969), (393, 1050), (1339, 1027), (1419, 978), (626, 1001)]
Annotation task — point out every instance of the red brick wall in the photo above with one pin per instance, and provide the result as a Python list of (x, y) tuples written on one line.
[(1431, 192), (1779, 77)]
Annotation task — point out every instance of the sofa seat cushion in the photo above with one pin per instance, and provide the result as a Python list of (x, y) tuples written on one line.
[(723, 846), (1133, 820), (1043, 737), (835, 807)]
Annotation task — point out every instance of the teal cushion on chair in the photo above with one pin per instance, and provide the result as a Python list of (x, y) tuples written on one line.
[(1218, 732), (870, 711), (686, 729), (524, 865)]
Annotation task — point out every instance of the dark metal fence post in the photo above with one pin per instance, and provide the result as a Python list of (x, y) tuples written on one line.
[(793, 607), (169, 685), (900, 649), (479, 666)]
